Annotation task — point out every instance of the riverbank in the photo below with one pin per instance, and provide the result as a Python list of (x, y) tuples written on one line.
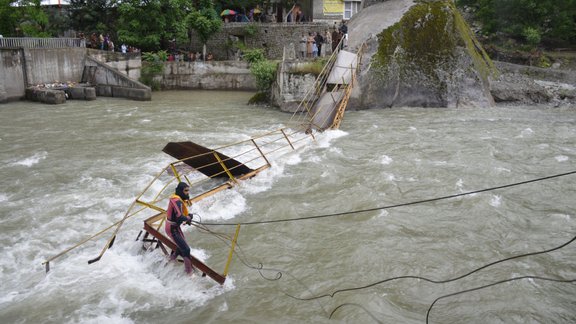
[(527, 85)]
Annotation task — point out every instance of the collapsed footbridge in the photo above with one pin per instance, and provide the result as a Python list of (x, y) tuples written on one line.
[(325, 102), (210, 171)]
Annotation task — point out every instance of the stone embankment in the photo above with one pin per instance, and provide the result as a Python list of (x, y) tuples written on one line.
[(526, 85), (210, 75)]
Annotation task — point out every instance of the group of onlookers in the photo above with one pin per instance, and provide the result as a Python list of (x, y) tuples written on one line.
[(315, 44), (190, 57), (254, 15), (294, 15), (312, 45), (318, 44), (105, 43), (340, 36)]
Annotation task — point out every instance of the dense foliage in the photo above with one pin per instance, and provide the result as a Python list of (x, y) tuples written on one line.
[(152, 66), (153, 25), (265, 73), (92, 15), (534, 22), (262, 69), (149, 25), (253, 55), (204, 20), (23, 18)]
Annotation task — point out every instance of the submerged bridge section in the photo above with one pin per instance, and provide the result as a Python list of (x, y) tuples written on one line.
[(324, 105)]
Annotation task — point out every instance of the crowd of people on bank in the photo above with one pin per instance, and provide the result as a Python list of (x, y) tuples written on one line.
[(253, 15), (105, 43), (312, 45), (318, 44), (294, 15), (178, 56)]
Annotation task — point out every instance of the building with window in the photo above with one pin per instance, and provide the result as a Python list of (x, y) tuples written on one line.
[(317, 10), (336, 9), (55, 3)]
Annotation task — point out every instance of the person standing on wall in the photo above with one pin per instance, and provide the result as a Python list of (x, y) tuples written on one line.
[(319, 41), (344, 30), (101, 41), (328, 42), (303, 41), (314, 46), (310, 45), (176, 214), (335, 39)]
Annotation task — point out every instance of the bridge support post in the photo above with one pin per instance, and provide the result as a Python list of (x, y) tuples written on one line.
[(224, 167)]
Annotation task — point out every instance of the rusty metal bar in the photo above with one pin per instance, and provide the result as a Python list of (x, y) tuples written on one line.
[(263, 156)]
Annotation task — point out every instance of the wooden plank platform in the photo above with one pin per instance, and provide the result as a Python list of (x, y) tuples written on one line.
[(172, 246)]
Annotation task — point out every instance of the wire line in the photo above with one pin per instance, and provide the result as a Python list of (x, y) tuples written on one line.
[(440, 281), (396, 205), (493, 284)]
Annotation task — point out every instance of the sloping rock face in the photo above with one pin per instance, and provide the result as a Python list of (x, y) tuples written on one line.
[(527, 85), (427, 57)]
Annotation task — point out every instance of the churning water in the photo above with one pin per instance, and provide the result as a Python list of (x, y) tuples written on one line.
[(69, 171)]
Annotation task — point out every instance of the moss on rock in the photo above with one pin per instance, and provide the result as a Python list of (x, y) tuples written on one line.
[(420, 38), (426, 54)]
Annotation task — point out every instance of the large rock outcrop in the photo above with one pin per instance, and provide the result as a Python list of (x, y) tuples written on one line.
[(420, 54)]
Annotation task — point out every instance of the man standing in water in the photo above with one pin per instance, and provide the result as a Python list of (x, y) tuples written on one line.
[(176, 214)]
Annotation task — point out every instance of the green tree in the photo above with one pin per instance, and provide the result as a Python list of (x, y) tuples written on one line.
[(204, 21), (91, 16), (58, 21), (152, 25), (550, 21), (242, 6), (265, 73), (23, 18)]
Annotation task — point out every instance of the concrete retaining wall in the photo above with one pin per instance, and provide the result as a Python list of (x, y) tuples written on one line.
[(128, 64), (212, 75), (272, 37), (12, 76), (291, 86), (54, 64), (111, 83), (23, 67)]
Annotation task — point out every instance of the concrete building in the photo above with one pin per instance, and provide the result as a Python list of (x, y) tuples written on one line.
[(312, 11), (54, 2), (336, 9)]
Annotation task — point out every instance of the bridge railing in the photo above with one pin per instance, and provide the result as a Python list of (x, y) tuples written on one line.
[(255, 153), (302, 116), (348, 89), (305, 114), (32, 42)]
